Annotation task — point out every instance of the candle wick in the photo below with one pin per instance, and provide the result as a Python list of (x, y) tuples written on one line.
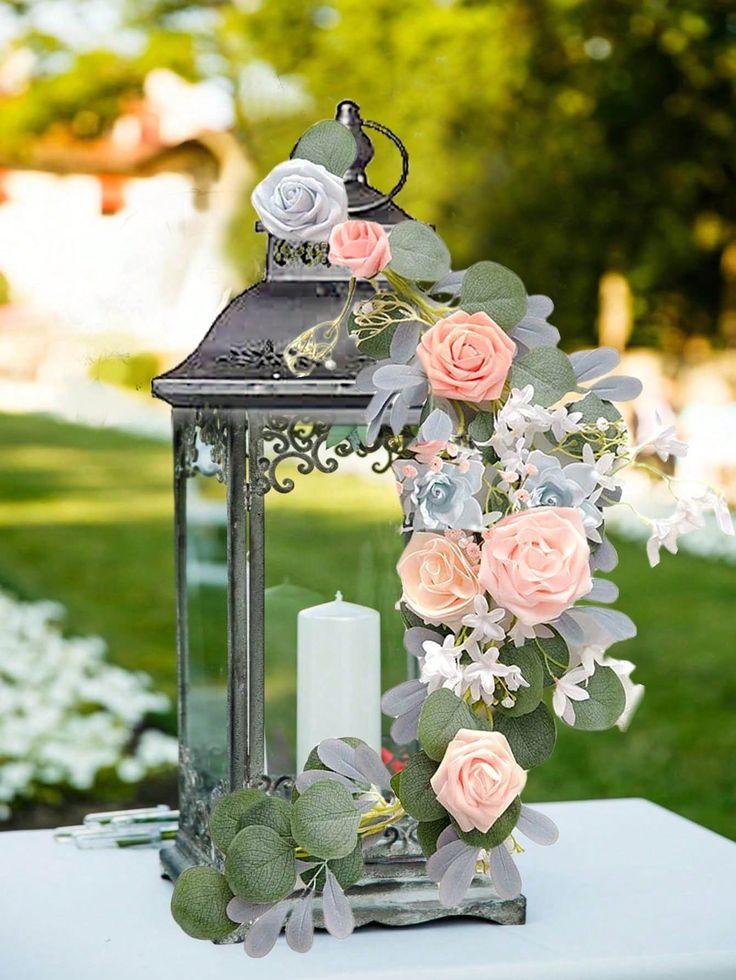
[(338, 596)]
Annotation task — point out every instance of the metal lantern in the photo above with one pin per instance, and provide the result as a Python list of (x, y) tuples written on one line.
[(241, 422)]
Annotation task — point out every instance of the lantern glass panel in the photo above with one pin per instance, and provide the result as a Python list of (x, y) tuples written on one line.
[(206, 621), (338, 529)]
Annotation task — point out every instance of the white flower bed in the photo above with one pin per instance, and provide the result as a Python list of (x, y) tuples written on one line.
[(65, 714)]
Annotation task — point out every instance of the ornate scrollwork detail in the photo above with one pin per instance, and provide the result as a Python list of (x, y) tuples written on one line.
[(305, 443), (262, 357), (306, 253)]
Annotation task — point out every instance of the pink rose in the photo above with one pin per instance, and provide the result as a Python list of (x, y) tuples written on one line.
[(438, 582), (361, 246), (536, 563), (467, 357), (478, 779)]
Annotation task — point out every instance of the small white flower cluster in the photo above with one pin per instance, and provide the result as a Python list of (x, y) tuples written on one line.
[(688, 515), (65, 714), (519, 420), (471, 667)]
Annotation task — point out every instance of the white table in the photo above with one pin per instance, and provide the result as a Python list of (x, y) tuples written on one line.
[(630, 891)]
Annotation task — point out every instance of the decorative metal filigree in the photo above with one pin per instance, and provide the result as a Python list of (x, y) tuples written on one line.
[(260, 356), (306, 253), (203, 447), (306, 443)]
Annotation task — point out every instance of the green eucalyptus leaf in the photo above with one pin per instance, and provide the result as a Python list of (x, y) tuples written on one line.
[(427, 833), (396, 783), (415, 792), (594, 408), (531, 737), (418, 252), (554, 654), (337, 434), (548, 370), (497, 832), (530, 664), (273, 812), (442, 716), (605, 703), (481, 428), (260, 865), (227, 814), (347, 870), (324, 820), (379, 345), (199, 903), (330, 144), (495, 290)]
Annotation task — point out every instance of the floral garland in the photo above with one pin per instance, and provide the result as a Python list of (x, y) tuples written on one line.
[(504, 484)]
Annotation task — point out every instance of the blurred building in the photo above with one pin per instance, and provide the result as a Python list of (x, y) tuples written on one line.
[(114, 244)]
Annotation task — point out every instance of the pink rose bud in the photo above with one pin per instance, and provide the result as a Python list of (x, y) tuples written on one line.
[(473, 551), (522, 496), (463, 465), (399, 488), (509, 476), (478, 779), (360, 246), (453, 534), (535, 563), (530, 469), (452, 449), (467, 357), (410, 471), (435, 464)]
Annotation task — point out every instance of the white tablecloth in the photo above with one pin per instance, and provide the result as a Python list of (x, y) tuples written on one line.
[(630, 891)]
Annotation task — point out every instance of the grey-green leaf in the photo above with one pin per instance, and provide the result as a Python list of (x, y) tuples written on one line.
[(336, 910), (199, 903), (324, 820), (593, 408), (273, 812), (264, 932), (427, 833), (418, 252), (260, 865), (414, 789), (548, 370), (495, 290), (605, 703), (442, 716), (497, 832), (300, 927), (531, 737), (330, 144), (227, 814)]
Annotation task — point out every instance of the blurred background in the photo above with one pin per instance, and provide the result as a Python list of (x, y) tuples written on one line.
[(588, 144)]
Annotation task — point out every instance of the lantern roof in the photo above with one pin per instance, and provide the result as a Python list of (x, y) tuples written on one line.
[(240, 362)]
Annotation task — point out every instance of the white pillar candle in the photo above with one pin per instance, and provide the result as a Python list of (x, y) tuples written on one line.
[(338, 675)]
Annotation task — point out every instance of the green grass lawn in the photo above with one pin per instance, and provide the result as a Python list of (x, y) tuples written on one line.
[(86, 519)]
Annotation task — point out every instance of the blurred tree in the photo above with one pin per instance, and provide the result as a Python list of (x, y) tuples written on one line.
[(570, 139)]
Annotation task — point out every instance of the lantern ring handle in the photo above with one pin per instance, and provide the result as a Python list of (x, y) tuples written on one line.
[(385, 198)]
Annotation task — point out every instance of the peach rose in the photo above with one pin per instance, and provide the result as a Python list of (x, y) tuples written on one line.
[(536, 563), (467, 357), (478, 779), (438, 582), (361, 246)]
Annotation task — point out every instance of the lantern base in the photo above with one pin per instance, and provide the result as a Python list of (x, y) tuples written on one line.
[(394, 892)]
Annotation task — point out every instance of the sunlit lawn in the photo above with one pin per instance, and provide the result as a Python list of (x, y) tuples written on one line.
[(86, 519)]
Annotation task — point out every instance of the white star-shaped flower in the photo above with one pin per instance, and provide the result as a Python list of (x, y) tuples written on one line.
[(567, 691), (440, 667), (484, 622)]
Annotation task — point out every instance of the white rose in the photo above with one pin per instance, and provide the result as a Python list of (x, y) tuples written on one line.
[(301, 201)]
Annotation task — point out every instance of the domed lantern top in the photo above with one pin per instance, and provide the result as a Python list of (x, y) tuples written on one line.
[(240, 362)]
